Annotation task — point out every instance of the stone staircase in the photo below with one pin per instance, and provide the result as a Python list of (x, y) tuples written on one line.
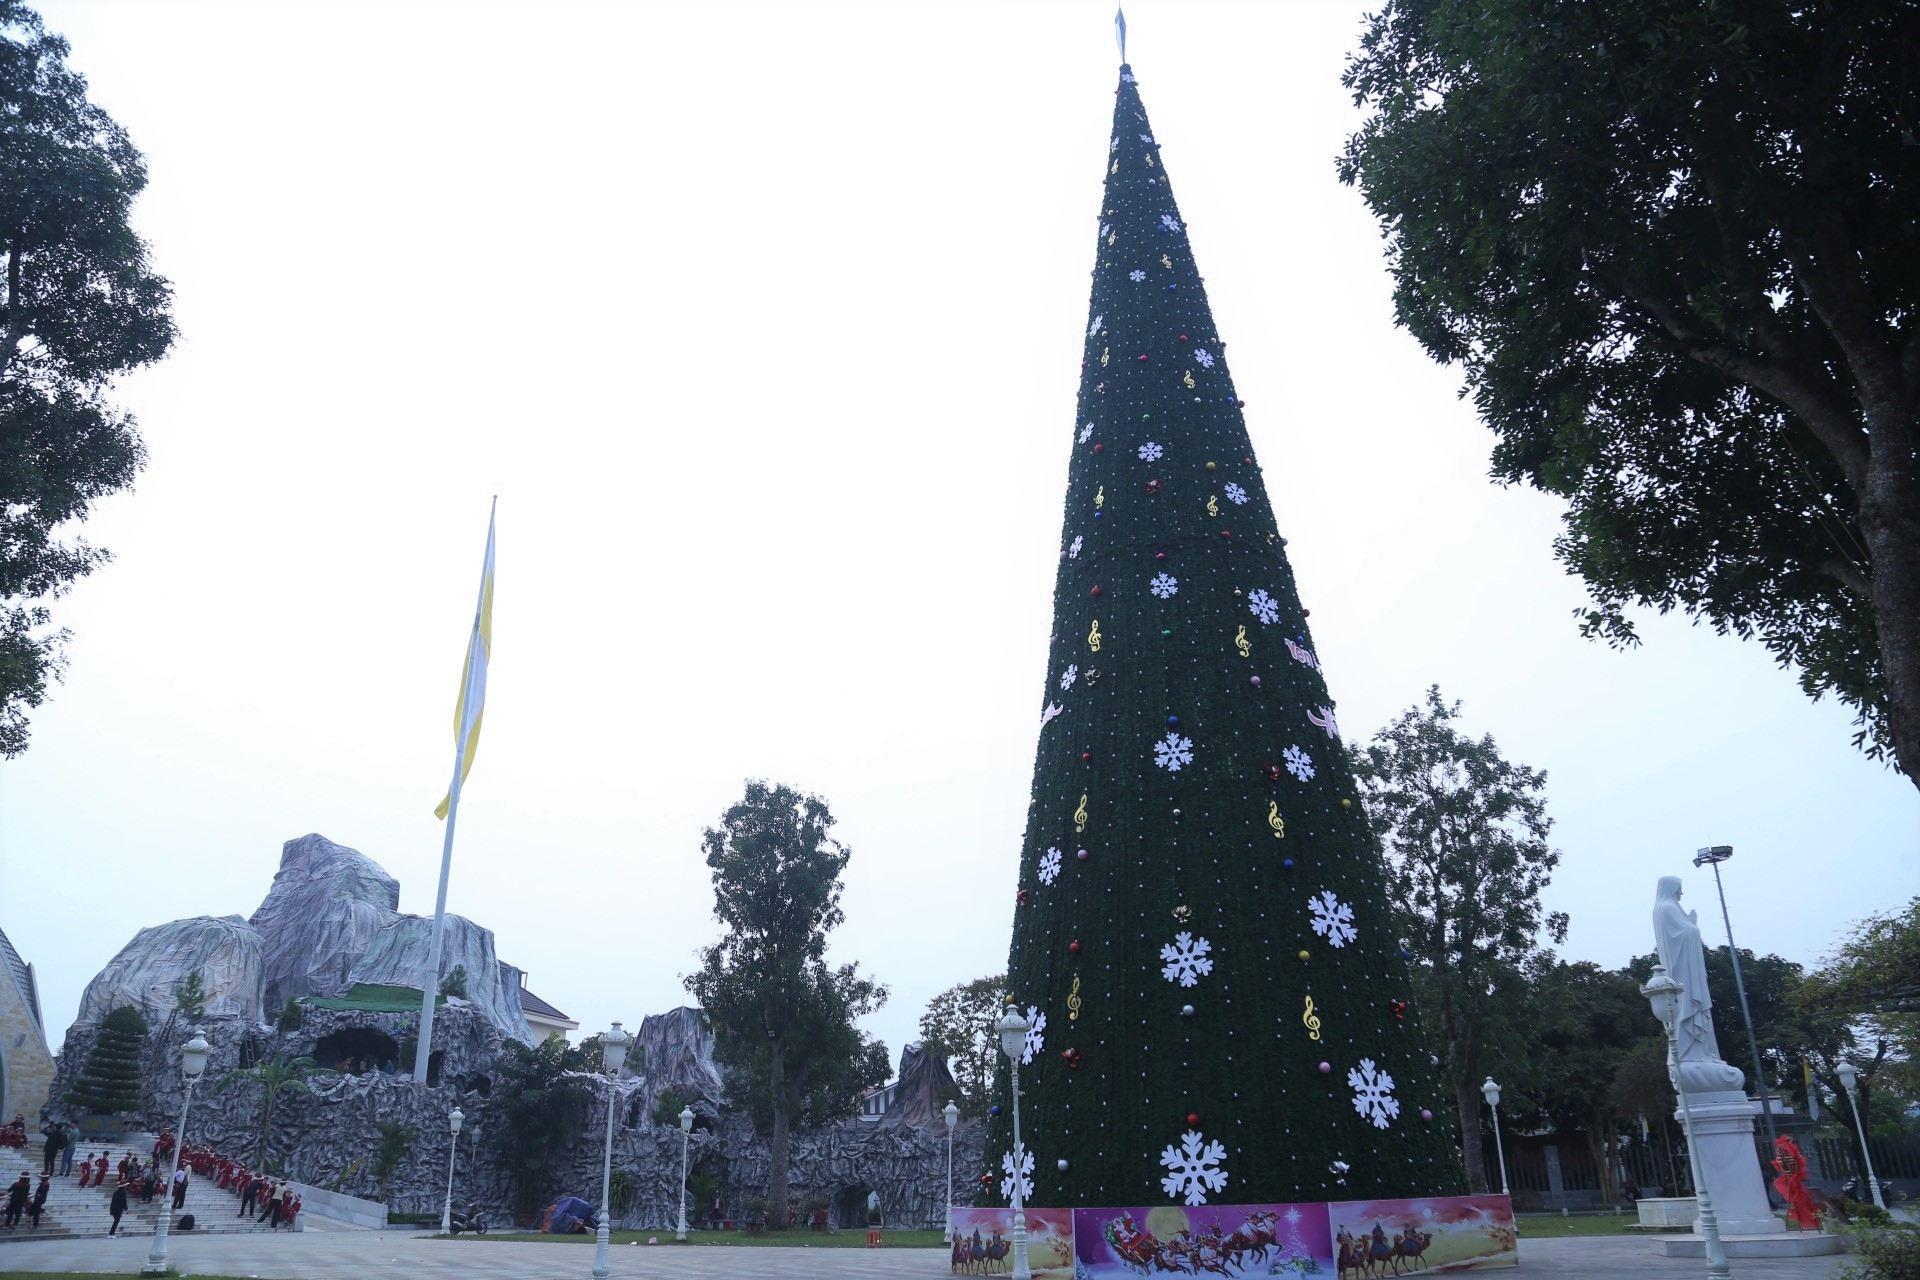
[(75, 1211)]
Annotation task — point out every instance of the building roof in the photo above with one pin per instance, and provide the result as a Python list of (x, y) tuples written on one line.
[(533, 1004)]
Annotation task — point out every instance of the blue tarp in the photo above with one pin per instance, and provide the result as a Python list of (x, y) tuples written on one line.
[(569, 1210)]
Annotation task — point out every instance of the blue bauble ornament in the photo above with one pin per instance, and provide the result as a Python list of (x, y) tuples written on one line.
[(1287, 863), (1173, 719), (996, 1108)]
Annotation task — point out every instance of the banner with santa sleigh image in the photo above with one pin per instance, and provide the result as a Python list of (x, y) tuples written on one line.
[(1343, 1240)]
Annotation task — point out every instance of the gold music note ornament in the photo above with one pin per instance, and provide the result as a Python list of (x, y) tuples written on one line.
[(1080, 815), (1275, 821), (1073, 1003), (1213, 505), (1310, 1018), (1244, 645), (1093, 636)]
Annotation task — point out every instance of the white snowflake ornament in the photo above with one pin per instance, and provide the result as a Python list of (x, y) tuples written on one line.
[(1172, 752), (1195, 1166), (1095, 326), (1299, 764), (1186, 959), (1151, 452), (1050, 866), (1373, 1093), (1073, 548), (1018, 1165), (1165, 586), (1086, 432), (1136, 276), (1204, 357), (1332, 919), (1035, 1044), (1068, 676), (1170, 222), (1264, 606), (1236, 495)]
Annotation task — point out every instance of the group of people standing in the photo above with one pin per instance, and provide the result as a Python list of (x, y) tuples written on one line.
[(272, 1199)]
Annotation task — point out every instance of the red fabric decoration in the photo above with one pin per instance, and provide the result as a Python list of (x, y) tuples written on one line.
[(1792, 1184), (1072, 1057)]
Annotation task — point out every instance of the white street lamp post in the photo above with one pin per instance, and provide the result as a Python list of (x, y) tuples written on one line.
[(453, 1148), (686, 1129), (1491, 1092), (193, 1061), (1847, 1077), (952, 1113), (613, 1049), (1663, 993), (1013, 1043)]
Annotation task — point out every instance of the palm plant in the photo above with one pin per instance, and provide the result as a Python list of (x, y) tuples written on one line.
[(273, 1075)]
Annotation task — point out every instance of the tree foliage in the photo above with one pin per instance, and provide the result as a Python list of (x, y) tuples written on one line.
[(79, 306), (1673, 248), (1875, 970), (1465, 834), (190, 997), (396, 1144), (455, 983), (958, 1026), (536, 1110), (782, 1018), (111, 1079)]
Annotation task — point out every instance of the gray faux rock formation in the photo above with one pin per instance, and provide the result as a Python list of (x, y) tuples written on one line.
[(325, 907), (397, 956), (675, 1051), (924, 1088), (151, 968)]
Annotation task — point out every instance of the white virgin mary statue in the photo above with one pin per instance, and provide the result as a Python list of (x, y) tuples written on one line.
[(1697, 1066)]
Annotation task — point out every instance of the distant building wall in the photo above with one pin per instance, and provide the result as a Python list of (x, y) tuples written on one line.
[(26, 1064)]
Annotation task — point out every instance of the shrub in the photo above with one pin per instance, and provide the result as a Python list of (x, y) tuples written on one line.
[(1891, 1252), (290, 1015), (110, 1080)]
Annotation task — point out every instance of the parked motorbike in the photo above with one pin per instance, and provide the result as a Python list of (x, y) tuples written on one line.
[(468, 1219), (1853, 1190)]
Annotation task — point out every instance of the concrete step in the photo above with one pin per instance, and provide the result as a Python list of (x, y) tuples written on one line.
[(73, 1210)]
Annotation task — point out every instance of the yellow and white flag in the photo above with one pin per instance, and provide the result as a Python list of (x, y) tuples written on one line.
[(467, 712)]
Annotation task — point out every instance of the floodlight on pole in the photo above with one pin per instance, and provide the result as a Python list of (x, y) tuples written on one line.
[(1713, 856)]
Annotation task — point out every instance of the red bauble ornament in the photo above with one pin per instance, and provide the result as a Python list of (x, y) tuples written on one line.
[(1183, 337), (1225, 534), (1073, 948), (1099, 448), (1095, 591), (1306, 613), (1086, 755), (1193, 1119), (1159, 555)]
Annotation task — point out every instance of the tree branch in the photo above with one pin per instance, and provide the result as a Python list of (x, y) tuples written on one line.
[(1826, 417)]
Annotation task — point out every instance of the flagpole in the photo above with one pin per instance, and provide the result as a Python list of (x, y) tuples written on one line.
[(423, 1046)]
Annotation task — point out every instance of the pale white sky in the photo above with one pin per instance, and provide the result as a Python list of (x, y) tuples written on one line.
[(764, 323)]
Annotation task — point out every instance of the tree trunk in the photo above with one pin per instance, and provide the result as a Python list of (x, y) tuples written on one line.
[(1889, 516), (1601, 1146), (777, 1143), (1467, 1098)]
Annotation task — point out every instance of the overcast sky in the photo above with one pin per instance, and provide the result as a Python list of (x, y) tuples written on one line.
[(764, 322)]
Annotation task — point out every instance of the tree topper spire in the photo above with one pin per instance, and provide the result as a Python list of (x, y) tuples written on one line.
[(1120, 32)]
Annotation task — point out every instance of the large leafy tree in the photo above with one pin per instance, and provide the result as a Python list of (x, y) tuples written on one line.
[(782, 1018), (1673, 247), (1465, 832), (536, 1109), (79, 306), (958, 1026)]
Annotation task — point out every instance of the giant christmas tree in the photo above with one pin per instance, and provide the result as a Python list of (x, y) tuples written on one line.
[(1201, 936)]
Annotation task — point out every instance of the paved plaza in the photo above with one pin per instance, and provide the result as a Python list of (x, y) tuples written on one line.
[(352, 1255)]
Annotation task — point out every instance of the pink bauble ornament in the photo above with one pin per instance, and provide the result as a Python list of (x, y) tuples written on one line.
[(1326, 1068), (1083, 855), (1254, 681)]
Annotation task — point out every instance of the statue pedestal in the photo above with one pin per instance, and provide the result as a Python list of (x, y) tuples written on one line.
[(1729, 1162)]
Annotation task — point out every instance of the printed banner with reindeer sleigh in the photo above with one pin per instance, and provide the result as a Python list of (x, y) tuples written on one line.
[(1345, 1240)]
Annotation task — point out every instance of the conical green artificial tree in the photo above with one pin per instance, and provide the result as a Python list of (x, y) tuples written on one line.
[(110, 1080), (1202, 917)]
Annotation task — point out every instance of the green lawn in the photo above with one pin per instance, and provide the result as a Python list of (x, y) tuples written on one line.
[(853, 1239)]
